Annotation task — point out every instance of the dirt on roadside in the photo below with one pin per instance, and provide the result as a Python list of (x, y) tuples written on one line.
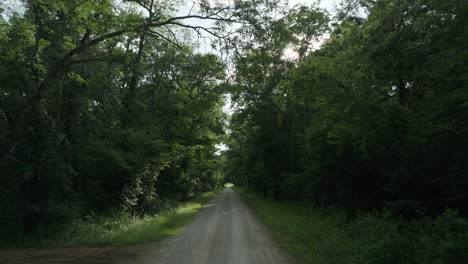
[(83, 255)]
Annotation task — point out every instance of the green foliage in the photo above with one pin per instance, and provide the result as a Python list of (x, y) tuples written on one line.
[(327, 235), (373, 119), (117, 228), (99, 112)]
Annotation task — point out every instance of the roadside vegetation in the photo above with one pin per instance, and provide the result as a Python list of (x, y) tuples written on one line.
[(329, 235), (117, 229), (372, 123)]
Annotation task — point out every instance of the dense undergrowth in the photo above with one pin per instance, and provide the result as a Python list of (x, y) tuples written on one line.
[(326, 235), (116, 229)]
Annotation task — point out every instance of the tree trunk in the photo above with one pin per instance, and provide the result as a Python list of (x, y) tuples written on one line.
[(402, 91)]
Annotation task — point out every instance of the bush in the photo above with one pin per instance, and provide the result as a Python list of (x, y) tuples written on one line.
[(328, 235), (441, 240), (117, 228)]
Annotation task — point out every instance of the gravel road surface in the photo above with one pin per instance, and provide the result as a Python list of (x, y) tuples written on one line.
[(226, 231)]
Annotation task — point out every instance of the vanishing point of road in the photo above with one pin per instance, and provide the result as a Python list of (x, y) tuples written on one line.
[(226, 231)]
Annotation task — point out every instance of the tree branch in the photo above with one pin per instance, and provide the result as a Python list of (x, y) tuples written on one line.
[(173, 42), (66, 61)]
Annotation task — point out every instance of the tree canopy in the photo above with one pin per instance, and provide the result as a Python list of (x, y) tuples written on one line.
[(375, 118)]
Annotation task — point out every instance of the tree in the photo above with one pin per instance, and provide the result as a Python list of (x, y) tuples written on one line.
[(79, 129), (264, 120), (371, 120)]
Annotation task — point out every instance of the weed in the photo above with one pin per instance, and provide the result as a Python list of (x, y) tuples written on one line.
[(119, 229), (327, 235)]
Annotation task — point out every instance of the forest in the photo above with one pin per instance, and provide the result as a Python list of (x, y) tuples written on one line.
[(110, 107), (375, 118)]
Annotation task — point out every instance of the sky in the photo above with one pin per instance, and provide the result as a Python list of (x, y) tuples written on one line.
[(11, 5), (205, 45), (326, 4)]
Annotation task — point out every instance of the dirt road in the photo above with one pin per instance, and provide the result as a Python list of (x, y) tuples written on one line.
[(226, 231)]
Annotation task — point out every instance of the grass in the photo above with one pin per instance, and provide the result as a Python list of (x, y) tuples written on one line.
[(123, 229), (313, 235)]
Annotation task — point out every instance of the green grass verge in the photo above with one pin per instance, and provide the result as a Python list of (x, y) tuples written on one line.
[(319, 236), (123, 229)]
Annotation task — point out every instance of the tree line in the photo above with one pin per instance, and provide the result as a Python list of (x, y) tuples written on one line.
[(106, 106), (376, 118)]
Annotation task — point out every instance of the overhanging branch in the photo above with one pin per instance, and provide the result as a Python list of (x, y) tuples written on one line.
[(67, 59)]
